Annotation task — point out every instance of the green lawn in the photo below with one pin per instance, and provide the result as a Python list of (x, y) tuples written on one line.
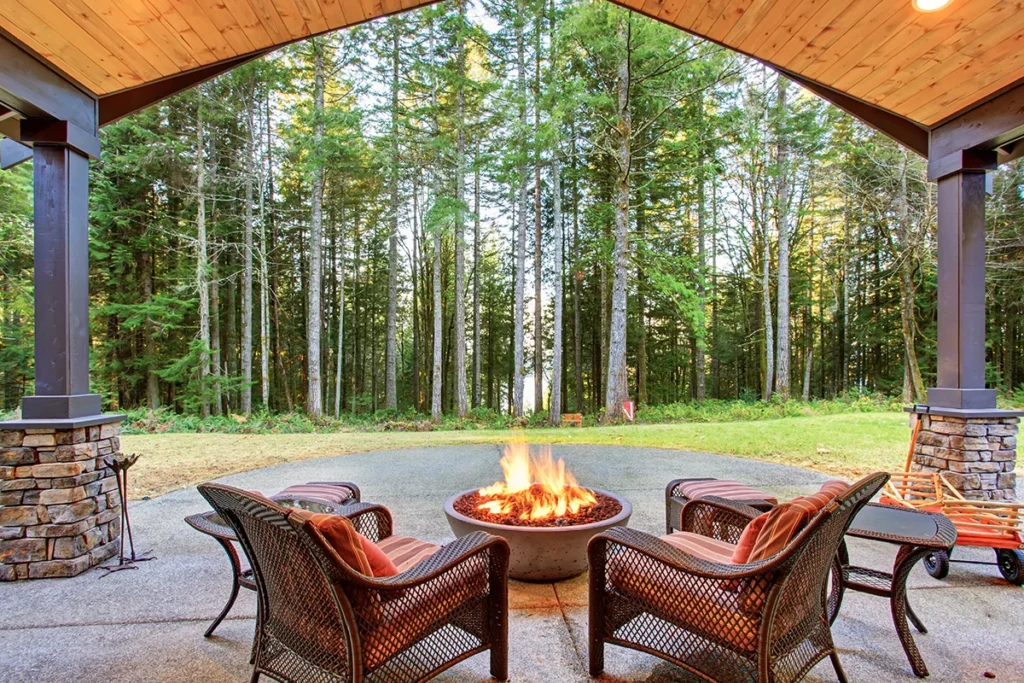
[(843, 445)]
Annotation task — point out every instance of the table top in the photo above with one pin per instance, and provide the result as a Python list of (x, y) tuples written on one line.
[(212, 524), (903, 526)]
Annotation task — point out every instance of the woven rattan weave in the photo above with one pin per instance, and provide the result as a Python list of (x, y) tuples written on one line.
[(765, 621), (321, 621)]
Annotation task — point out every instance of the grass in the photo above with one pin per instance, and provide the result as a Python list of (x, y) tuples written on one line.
[(162, 421), (845, 445)]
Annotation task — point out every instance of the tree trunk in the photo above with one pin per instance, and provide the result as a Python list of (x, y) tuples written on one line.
[(616, 388), (715, 362), (699, 332), (149, 341), (264, 279), (520, 280), (476, 280), (459, 362), (314, 401), (577, 279), (246, 354), (766, 300), (340, 364), (538, 270), (785, 228), (215, 355), (417, 399), (556, 351), (438, 372), (391, 346), (641, 310), (435, 400), (202, 268), (913, 384)]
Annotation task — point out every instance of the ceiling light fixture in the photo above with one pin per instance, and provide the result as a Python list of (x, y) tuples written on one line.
[(930, 5)]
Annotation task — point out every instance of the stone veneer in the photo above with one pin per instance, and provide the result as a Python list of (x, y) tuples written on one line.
[(60, 511), (977, 455)]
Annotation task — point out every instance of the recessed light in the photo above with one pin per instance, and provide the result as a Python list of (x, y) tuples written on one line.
[(930, 5)]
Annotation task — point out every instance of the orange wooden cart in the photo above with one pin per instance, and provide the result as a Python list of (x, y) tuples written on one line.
[(987, 524)]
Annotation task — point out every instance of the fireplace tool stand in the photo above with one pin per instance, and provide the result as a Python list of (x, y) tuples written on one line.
[(120, 463)]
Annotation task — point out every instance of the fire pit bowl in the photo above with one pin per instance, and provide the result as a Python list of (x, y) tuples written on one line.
[(541, 553)]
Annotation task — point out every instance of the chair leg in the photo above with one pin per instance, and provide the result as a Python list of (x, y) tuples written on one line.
[(255, 676), (235, 571), (840, 674), (499, 661), (595, 627)]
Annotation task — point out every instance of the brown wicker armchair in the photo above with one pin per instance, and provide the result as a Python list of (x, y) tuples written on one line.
[(320, 620), (758, 622)]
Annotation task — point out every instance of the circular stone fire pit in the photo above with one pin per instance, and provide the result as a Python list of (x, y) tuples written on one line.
[(541, 553)]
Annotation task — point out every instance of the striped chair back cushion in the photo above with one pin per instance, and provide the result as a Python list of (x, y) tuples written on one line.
[(769, 533)]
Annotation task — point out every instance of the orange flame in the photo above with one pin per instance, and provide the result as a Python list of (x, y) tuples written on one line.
[(538, 487)]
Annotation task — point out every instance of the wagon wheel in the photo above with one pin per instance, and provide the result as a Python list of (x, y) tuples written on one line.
[(937, 564), (1011, 565)]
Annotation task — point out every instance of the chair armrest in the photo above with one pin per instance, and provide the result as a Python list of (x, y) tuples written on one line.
[(717, 518), (603, 545), (370, 519)]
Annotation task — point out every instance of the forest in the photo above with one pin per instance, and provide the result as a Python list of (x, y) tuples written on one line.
[(514, 206)]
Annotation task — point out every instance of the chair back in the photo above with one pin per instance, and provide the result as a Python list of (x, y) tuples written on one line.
[(798, 602), (299, 607)]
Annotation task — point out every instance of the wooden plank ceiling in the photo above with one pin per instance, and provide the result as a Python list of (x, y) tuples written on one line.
[(925, 67)]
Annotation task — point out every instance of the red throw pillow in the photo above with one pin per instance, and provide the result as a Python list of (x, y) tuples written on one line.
[(353, 548), (747, 539), (380, 563), (783, 522)]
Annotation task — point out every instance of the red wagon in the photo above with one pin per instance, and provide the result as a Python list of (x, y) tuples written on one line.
[(987, 524)]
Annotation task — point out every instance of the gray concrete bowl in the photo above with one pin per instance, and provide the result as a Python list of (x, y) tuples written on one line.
[(541, 553)]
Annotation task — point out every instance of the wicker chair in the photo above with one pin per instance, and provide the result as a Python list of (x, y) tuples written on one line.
[(758, 622), (320, 620)]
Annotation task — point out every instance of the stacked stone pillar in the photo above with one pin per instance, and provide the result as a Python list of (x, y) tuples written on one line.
[(60, 510), (975, 452)]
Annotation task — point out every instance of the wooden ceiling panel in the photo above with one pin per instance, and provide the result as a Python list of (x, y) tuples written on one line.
[(223, 44), (146, 66), (33, 32), (796, 18), (137, 14), (925, 67), (888, 74)]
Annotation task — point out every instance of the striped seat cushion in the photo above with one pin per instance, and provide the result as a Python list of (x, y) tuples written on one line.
[(329, 492), (710, 549), (406, 552), (712, 611), (723, 488)]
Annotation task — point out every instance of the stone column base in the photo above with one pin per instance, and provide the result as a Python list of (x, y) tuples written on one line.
[(976, 451), (60, 511)]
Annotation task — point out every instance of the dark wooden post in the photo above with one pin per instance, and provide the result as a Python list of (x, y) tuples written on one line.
[(60, 156), (961, 271), (61, 177)]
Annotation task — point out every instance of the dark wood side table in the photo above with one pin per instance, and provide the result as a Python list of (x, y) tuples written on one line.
[(211, 524), (917, 534)]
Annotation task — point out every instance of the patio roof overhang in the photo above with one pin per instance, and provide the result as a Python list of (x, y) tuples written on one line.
[(948, 85)]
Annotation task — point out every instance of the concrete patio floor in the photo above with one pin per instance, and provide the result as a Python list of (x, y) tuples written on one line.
[(147, 624)]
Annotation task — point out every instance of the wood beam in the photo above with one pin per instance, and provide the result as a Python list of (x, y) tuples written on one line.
[(904, 131), (120, 104), (997, 123), (30, 87), (13, 153)]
